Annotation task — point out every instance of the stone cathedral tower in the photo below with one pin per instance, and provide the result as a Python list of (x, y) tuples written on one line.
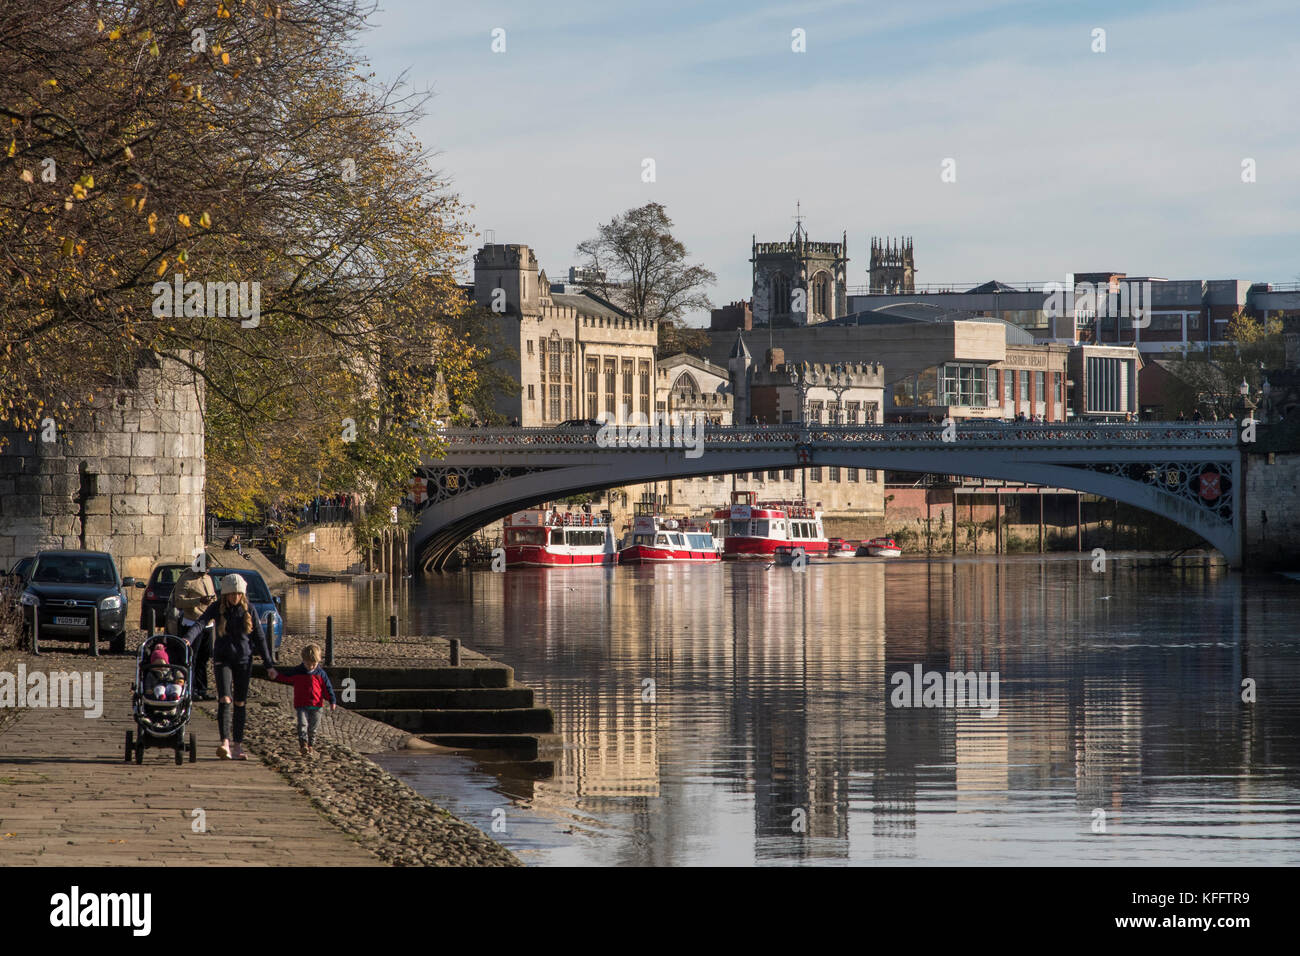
[(893, 268), (799, 282)]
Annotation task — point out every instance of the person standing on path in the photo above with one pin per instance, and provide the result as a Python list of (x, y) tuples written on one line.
[(311, 688), (239, 633), (193, 594)]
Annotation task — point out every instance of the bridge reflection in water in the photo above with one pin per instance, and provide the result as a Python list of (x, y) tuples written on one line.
[(1187, 472), (1118, 692)]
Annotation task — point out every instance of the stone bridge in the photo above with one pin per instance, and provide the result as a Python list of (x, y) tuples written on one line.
[(1187, 472)]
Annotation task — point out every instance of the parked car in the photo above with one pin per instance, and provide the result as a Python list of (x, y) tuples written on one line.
[(68, 590), (158, 592), (22, 568), (259, 599)]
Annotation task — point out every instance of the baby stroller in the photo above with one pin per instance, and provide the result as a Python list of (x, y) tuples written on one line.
[(160, 698)]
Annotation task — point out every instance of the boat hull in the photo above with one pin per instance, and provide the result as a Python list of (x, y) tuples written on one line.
[(541, 557), (648, 554)]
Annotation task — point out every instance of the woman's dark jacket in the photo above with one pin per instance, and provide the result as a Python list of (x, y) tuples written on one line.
[(234, 646)]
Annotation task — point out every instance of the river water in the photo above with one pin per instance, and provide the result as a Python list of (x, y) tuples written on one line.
[(739, 715)]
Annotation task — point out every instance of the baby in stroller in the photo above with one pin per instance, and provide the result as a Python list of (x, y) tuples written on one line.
[(162, 681)]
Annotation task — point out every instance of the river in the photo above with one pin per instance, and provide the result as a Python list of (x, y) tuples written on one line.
[(737, 715)]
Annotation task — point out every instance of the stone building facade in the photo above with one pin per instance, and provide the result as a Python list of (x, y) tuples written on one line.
[(126, 477), (799, 282), (576, 355)]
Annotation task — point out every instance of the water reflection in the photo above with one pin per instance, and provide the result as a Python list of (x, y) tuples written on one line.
[(733, 714)]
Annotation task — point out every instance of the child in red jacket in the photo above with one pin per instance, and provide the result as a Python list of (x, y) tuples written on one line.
[(311, 688)]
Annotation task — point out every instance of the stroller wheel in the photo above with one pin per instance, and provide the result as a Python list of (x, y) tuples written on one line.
[(194, 749), (129, 747)]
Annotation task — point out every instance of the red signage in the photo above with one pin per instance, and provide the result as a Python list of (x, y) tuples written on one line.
[(1210, 488)]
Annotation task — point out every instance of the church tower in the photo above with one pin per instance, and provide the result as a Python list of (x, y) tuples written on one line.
[(799, 282), (893, 268)]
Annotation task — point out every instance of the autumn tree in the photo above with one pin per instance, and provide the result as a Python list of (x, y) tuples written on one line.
[(1209, 379), (639, 266), (242, 145)]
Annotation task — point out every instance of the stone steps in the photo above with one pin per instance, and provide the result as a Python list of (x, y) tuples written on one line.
[(449, 698), (414, 678), (514, 720)]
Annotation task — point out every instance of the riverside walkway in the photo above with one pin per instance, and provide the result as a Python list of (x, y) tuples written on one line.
[(67, 798)]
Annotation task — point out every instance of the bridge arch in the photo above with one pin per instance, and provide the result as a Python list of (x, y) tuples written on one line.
[(1187, 473)]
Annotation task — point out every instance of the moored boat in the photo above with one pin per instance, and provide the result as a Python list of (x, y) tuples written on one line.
[(755, 529), (537, 538), (839, 548), (882, 547), (660, 539)]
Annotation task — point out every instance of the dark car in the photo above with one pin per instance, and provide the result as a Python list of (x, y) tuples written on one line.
[(22, 568), (67, 591), (580, 423), (259, 599), (158, 592)]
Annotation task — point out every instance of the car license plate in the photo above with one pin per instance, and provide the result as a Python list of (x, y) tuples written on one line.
[(71, 621)]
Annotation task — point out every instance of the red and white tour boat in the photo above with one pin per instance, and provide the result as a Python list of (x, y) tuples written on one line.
[(659, 539), (757, 528), (551, 539), (884, 547)]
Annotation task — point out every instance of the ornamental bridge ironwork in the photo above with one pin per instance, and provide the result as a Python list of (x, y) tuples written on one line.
[(1187, 472)]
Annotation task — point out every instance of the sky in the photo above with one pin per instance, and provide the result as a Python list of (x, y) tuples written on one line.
[(1066, 159)]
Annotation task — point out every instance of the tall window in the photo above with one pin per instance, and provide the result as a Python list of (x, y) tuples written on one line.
[(821, 294), (815, 473), (541, 352), (593, 387), (787, 474), (555, 403), (965, 384), (774, 476), (833, 413), (853, 474), (1008, 387), (568, 360), (835, 473), (611, 373), (851, 412), (568, 401), (780, 294), (1060, 392), (627, 385), (1024, 386), (644, 396), (554, 349), (1039, 392), (815, 412)]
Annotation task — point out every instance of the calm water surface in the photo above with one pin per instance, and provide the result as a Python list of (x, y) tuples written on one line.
[(768, 735)]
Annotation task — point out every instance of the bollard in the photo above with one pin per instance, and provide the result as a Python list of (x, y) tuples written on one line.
[(270, 633), (36, 631), (151, 623), (94, 632), (392, 625), (329, 641), (453, 648)]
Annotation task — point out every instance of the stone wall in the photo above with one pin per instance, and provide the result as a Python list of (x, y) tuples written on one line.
[(334, 549), (141, 445), (1272, 492)]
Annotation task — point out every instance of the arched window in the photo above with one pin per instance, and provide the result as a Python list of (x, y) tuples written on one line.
[(780, 294), (821, 291), (685, 385)]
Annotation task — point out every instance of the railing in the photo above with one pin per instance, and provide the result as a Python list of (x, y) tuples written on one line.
[(1214, 434)]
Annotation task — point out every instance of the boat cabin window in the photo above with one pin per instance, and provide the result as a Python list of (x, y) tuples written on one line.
[(661, 538), (557, 536), (739, 528), (677, 541), (519, 536), (761, 527), (700, 542), (643, 539)]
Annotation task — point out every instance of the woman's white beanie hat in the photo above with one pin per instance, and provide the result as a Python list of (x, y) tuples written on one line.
[(234, 584)]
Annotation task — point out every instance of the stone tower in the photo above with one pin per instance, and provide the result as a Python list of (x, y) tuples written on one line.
[(127, 476), (799, 282), (893, 268), (512, 269)]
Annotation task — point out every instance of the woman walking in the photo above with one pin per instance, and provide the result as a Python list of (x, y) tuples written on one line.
[(239, 633)]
